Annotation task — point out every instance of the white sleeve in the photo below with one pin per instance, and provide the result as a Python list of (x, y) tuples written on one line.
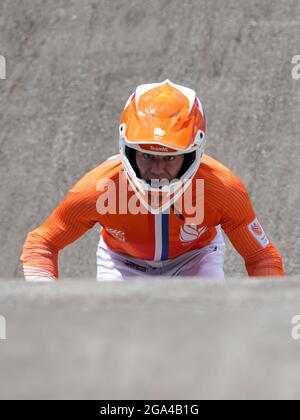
[(37, 275)]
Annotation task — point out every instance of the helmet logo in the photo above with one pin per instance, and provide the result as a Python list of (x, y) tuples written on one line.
[(159, 132), (157, 148)]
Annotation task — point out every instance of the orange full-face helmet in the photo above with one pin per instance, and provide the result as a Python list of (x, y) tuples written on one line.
[(162, 119)]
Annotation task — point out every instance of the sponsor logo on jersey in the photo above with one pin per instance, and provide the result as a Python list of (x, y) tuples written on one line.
[(117, 234), (258, 233), (189, 233)]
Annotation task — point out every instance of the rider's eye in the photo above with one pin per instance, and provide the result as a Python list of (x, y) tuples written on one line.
[(147, 156)]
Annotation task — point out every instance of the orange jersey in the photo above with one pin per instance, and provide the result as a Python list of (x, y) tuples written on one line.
[(149, 236)]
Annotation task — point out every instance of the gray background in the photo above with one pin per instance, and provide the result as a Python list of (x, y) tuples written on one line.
[(71, 65)]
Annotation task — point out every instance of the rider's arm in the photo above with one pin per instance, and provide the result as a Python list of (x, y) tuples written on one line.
[(247, 236), (70, 220)]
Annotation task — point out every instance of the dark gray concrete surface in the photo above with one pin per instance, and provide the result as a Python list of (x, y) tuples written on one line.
[(71, 66), (159, 339)]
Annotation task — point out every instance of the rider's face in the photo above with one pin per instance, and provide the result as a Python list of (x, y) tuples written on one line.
[(154, 167)]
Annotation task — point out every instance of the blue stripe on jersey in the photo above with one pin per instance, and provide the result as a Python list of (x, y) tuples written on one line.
[(165, 236)]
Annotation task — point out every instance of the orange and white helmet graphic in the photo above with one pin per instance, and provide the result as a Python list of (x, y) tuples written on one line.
[(162, 119)]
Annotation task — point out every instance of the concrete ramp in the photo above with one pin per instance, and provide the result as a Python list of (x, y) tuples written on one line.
[(158, 339)]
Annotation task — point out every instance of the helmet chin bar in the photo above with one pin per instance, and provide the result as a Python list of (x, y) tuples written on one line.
[(173, 190)]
